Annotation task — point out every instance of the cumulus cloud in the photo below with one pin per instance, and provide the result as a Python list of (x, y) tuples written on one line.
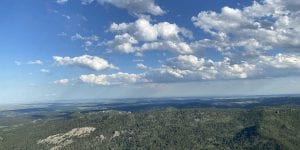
[(192, 68), (184, 68), (141, 35), (135, 7), (141, 66), (111, 79), (281, 61), (142, 29), (245, 38), (35, 62), (176, 46), (91, 62), (259, 27), (124, 42)]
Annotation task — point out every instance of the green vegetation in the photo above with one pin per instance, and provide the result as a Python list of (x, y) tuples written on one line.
[(199, 128)]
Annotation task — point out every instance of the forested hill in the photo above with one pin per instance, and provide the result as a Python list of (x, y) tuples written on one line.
[(195, 128)]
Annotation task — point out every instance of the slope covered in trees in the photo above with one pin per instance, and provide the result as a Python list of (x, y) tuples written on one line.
[(169, 128)]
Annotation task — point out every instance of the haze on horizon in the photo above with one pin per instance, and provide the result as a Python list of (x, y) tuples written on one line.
[(85, 49)]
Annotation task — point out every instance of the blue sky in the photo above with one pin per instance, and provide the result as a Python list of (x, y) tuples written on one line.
[(81, 49)]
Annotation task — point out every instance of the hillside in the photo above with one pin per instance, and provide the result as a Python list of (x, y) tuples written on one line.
[(170, 128)]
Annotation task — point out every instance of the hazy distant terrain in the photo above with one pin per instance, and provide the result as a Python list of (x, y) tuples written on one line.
[(250, 123)]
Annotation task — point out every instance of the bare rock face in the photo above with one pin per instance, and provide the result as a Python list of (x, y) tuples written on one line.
[(63, 139), (80, 132)]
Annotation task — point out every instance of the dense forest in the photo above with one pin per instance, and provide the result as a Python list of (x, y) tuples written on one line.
[(169, 128)]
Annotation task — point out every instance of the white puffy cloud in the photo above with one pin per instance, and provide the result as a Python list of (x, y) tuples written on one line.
[(136, 7), (111, 79), (209, 20), (124, 42), (35, 62), (141, 35), (261, 26), (176, 46), (141, 66), (62, 81), (143, 30), (91, 62), (244, 35), (281, 61), (246, 38), (166, 74), (189, 62), (192, 68)]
